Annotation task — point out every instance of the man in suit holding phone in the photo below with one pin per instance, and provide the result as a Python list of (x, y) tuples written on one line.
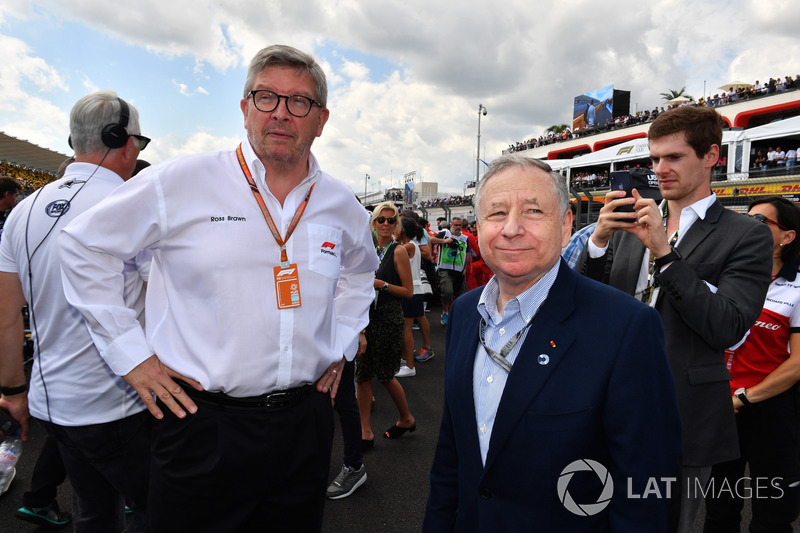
[(704, 268)]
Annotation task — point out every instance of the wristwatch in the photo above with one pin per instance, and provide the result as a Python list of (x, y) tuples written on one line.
[(385, 286), (664, 260), (741, 393)]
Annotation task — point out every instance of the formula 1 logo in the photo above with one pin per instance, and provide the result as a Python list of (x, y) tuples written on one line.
[(327, 248), (57, 208), (287, 272), (585, 509)]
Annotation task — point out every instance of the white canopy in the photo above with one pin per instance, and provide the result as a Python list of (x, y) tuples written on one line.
[(779, 128)]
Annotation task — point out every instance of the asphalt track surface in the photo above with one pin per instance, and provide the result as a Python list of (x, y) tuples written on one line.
[(394, 495)]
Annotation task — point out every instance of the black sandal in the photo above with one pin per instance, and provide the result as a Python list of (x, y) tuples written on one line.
[(395, 432)]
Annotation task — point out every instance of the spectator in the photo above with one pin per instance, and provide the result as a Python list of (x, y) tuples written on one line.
[(381, 360), (765, 369)]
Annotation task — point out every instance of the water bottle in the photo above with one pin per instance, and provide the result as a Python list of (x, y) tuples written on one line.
[(10, 450)]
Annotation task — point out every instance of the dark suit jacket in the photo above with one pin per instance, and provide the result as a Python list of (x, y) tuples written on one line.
[(734, 254), (606, 395)]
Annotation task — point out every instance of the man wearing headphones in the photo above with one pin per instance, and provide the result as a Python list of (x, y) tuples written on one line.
[(100, 424)]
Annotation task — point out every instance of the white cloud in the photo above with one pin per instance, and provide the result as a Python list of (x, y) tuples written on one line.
[(405, 79), (25, 82)]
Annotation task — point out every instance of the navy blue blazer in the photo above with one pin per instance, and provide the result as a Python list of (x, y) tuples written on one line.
[(606, 395)]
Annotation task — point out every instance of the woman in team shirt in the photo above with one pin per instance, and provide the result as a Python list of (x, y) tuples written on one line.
[(765, 369)]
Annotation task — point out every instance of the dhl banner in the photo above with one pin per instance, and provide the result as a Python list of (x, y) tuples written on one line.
[(765, 189)]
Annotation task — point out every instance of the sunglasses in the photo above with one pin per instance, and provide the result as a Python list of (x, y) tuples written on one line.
[(764, 220), (143, 141), (390, 220)]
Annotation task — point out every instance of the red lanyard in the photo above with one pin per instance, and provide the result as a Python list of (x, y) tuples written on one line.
[(271, 223)]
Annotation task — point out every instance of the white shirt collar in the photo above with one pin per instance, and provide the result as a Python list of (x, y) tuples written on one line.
[(259, 172), (700, 207)]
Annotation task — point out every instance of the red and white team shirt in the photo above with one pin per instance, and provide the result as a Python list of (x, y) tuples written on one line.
[(766, 345)]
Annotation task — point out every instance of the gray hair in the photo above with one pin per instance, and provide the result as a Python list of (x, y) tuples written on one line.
[(510, 161), (280, 55), (91, 114)]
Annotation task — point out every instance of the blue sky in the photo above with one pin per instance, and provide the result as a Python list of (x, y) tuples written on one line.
[(405, 78)]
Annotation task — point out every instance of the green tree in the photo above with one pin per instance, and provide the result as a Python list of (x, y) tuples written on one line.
[(556, 128), (671, 94)]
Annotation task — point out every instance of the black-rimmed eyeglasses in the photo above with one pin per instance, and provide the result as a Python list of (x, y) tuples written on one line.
[(296, 104), (143, 141), (764, 220)]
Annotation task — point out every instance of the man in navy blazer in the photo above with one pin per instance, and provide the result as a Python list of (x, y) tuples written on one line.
[(560, 411)]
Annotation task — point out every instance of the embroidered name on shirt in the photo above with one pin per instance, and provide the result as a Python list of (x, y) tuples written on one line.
[(228, 219)]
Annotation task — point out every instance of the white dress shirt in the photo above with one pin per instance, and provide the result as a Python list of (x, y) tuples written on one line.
[(489, 378), (70, 383), (211, 303)]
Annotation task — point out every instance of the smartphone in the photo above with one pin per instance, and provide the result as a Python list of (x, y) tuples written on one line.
[(621, 181)]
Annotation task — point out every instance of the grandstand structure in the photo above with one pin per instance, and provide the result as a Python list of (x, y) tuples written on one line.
[(25, 154), (29, 164), (755, 123)]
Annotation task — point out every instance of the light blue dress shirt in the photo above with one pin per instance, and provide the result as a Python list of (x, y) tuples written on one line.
[(489, 378)]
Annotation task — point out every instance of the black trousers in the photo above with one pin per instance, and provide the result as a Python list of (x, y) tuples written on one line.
[(106, 464), (769, 439), (347, 407), (48, 474), (224, 470)]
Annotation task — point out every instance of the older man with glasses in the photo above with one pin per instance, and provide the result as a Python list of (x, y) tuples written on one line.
[(263, 276)]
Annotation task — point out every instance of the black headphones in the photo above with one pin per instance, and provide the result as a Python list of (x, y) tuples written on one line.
[(114, 135)]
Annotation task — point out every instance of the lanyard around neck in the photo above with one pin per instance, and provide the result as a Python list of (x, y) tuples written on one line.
[(501, 358), (267, 216)]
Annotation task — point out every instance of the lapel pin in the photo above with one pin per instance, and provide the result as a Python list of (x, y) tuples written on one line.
[(544, 359), (553, 344)]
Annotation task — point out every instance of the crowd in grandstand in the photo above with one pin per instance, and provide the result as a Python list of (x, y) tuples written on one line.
[(451, 200), (747, 91), (585, 180), (30, 179)]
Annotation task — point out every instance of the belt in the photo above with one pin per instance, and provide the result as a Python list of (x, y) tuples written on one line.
[(274, 401)]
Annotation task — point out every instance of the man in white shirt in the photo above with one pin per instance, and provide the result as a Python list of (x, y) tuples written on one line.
[(262, 276), (704, 268), (100, 425), (772, 156)]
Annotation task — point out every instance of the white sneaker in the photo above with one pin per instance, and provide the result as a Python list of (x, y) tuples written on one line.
[(406, 372)]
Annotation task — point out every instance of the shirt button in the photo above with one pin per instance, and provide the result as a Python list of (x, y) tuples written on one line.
[(483, 429), (285, 348), (502, 331), (490, 379)]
